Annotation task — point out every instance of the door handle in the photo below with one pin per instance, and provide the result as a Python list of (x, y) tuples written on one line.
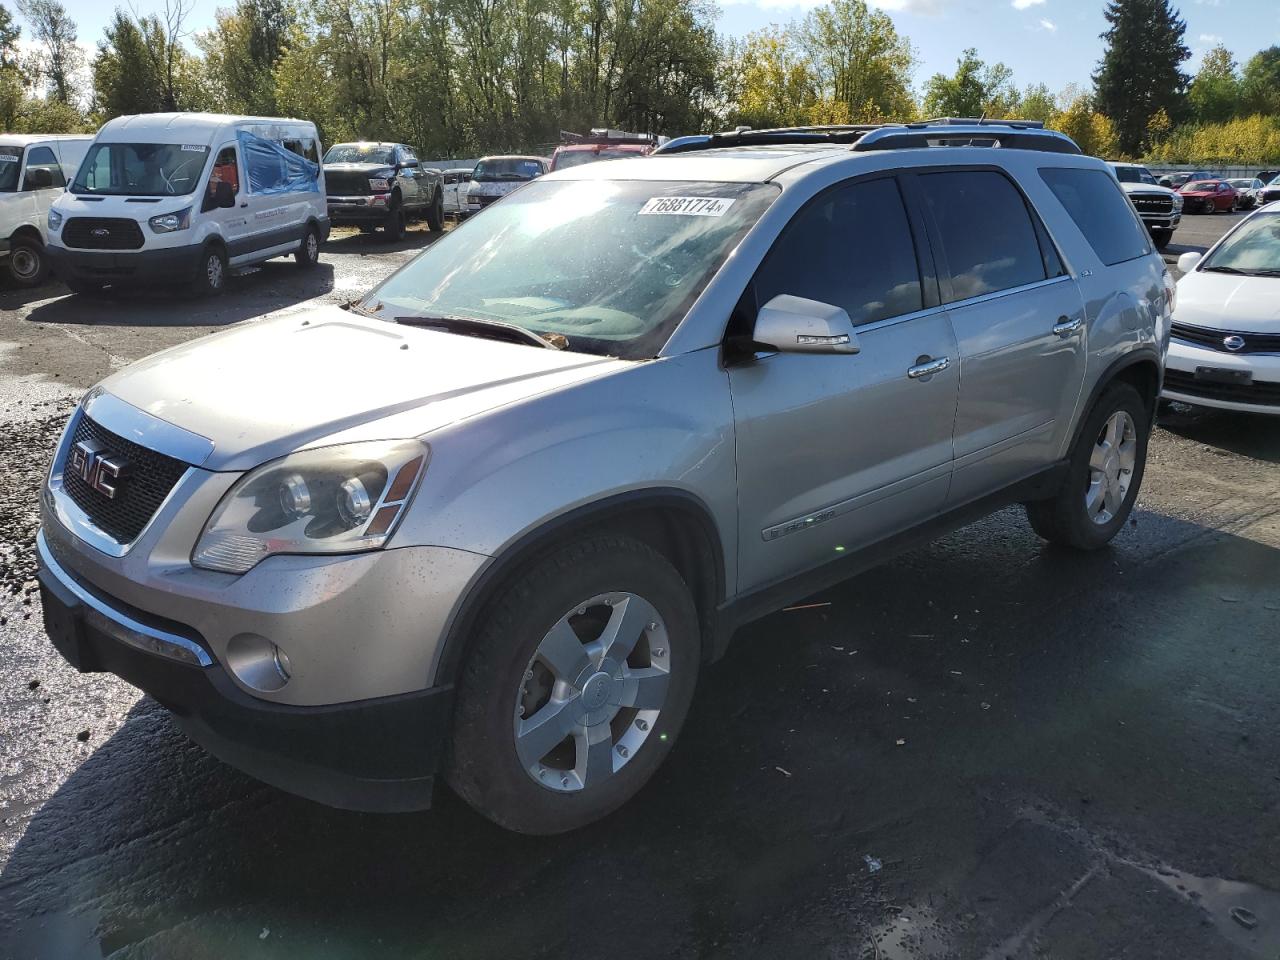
[(1065, 328), (927, 368)]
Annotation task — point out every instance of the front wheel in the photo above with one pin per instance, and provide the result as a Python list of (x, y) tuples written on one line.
[(435, 214), (1162, 238), (1104, 473), (396, 224), (28, 266), (211, 274), (308, 253), (577, 685), (1210, 207)]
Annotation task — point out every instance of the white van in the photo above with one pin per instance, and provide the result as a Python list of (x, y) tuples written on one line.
[(183, 197), (34, 169)]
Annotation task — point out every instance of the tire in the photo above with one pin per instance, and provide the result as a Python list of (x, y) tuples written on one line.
[(396, 223), (513, 781), (28, 266), (1162, 238), (308, 253), (435, 213), (1210, 207), (211, 275), (1083, 515)]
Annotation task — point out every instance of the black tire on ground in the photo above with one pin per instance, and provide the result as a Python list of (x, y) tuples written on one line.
[(1210, 207), (1162, 238), (482, 765), (308, 253), (396, 223), (435, 213), (1064, 519), (28, 266), (211, 273)]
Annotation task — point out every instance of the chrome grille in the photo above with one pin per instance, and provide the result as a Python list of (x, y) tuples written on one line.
[(1213, 339), (1152, 202)]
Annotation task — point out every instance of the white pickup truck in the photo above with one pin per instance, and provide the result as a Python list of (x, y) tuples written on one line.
[(34, 170), (1159, 207)]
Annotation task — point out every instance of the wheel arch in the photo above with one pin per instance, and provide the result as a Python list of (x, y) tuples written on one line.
[(27, 232), (674, 522), (1139, 368)]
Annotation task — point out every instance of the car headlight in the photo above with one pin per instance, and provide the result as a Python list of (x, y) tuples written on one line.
[(379, 183), (55, 220), (1177, 202), (340, 499), (169, 222)]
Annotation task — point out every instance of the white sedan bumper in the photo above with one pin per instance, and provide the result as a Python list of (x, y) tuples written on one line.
[(1247, 382)]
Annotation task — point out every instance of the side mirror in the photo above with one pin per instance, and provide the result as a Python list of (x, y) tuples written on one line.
[(224, 195), (1188, 261), (796, 325)]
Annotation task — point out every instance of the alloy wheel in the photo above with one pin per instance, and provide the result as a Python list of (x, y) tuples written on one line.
[(213, 271), (1111, 465), (313, 247), (592, 692)]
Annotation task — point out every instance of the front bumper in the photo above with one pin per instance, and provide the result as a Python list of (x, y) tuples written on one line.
[(378, 755), (1244, 382), (1169, 222), (169, 265), (371, 208)]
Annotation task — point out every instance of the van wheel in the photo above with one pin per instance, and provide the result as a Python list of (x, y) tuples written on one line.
[(579, 680), (1162, 238), (308, 253), (396, 225), (435, 214), (1104, 472), (28, 266), (211, 275)]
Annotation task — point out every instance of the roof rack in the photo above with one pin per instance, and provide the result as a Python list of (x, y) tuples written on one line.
[(941, 132)]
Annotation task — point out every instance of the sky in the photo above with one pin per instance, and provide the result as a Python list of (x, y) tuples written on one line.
[(1044, 41)]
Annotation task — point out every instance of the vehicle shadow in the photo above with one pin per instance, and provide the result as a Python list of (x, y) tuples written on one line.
[(271, 286), (869, 751), (1252, 435), (351, 240)]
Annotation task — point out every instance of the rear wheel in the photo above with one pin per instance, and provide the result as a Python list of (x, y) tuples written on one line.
[(578, 683), (1162, 238), (435, 213), (1104, 473), (28, 266)]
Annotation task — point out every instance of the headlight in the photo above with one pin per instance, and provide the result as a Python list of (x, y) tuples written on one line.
[(379, 183), (55, 220), (1177, 201), (169, 222), (332, 500)]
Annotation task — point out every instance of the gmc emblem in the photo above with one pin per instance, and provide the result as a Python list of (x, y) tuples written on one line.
[(98, 467)]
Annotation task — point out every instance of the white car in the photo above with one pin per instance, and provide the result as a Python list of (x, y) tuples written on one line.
[(1225, 345), (1248, 192), (457, 181), (495, 177), (34, 170)]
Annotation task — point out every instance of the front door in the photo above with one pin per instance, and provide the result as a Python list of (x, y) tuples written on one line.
[(835, 452), (233, 221)]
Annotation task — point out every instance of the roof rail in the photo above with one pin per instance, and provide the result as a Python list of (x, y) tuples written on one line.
[(944, 131)]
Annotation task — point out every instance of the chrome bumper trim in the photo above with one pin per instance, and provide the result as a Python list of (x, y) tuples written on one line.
[(120, 626)]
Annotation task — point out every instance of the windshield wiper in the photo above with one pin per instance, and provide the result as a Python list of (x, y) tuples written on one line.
[(494, 329), (1225, 270)]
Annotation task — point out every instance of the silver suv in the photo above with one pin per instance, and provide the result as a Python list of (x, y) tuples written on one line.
[(491, 521)]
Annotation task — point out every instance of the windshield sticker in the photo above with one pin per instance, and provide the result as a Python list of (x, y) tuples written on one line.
[(8, 158), (193, 148), (687, 206)]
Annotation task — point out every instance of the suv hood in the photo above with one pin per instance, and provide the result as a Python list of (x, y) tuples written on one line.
[(266, 389), (1221, 301), (1146, 188)]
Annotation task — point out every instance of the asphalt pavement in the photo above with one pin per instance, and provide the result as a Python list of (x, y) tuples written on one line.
[(988, 748)]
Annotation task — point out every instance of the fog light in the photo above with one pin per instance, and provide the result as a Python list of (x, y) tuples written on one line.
[(257, 662)]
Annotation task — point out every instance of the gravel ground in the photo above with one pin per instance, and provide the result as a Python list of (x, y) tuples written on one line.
[(985, 749)]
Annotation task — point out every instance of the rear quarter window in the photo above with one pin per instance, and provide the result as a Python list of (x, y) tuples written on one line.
[(1102, 212)]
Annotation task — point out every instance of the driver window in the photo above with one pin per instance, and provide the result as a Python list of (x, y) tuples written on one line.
[(225, 170)]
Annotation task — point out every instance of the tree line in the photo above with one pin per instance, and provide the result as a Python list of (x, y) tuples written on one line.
[(465, 77)]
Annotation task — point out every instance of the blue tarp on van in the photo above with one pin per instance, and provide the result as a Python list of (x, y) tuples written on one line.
[(273, 169)]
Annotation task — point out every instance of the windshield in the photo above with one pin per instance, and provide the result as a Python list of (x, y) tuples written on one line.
[(507, 168), (576, 158), (611, 265), (140, 169), (359, 153), (1241, 184), (10, 164), (1134, 175), (1201, 186), (1252, 249)]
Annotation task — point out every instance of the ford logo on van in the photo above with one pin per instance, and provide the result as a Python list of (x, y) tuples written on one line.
[(100, 232)]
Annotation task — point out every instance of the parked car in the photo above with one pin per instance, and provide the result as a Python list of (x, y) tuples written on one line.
[(495, 177), (1248, 192), (578, 442), (1266, 176), (1225, 346), (34, 169), (1159, 207), (457, 182), (1208, 196), (185, 198), (1271, 192), (373, 185), (602, 145)]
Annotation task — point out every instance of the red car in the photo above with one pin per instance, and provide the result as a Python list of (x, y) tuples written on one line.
[(1208, 196)]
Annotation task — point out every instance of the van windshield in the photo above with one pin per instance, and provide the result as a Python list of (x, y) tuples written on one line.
[(141, 169), (10, 164)]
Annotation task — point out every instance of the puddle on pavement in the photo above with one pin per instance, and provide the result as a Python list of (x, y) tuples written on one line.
[(1231, 905), (915, 934)]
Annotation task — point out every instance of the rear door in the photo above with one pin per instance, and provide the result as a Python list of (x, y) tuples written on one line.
[(1019, 321), (835, 452)]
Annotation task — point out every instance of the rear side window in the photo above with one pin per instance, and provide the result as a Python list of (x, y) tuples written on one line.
[(988, 238), (851, 248), (1101, 211)]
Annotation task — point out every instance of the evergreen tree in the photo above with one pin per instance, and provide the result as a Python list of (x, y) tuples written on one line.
[(1140, 70)]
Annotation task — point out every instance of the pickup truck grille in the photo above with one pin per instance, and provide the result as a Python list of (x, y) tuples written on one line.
[(151, 476), (1160, 203), (346, 183), (102, 233), (1212, 339), (483, 199), (1259, 392)]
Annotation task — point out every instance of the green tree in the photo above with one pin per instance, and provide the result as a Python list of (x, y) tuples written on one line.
[(975, 89), (859, 60), (1037, 104), (142, 66), (241, 51), (774, 83), (1140, 68), (1214, 95), (60, 58), (12, 88), (1091, 130), (1260, 84)]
